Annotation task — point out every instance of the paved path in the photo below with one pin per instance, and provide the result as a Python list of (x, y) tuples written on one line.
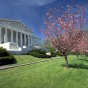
[(19, 65)]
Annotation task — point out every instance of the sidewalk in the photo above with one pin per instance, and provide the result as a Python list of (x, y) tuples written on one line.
[(19, 65)]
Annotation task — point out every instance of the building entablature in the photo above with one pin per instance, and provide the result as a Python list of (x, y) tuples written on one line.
[(6, 26)]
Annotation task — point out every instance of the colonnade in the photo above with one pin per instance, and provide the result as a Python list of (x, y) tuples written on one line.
[(10, 35)]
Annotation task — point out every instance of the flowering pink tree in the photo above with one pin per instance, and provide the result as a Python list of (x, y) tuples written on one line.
[(82, 46), (84, 43), (77, 49), (63, 27)]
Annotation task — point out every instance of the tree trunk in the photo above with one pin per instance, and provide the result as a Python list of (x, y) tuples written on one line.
[(77, 55), (85, 55), (66, 62)]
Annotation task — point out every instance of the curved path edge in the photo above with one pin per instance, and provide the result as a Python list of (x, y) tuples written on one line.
[(19, 65)]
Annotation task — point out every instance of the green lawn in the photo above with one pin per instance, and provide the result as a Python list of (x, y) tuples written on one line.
[(50, 74), (21, 59)]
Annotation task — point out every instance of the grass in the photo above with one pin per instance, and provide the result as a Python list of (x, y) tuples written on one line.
[(21, 59), (50, 74)]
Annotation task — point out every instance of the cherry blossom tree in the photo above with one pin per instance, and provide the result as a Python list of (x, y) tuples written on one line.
[(77, 49), (63, 27), (84, 44)]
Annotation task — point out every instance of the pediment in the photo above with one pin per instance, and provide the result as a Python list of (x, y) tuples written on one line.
[(15, 23)]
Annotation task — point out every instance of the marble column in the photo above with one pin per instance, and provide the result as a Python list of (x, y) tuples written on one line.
[(31, 40), (24, 39), (0, 35), (6, 37), (28, 40), (11, 35), (21, 41), (17, 37)]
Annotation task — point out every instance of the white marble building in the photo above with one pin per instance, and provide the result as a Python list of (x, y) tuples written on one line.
[(16, 36)]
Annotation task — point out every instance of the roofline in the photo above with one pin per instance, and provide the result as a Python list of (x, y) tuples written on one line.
[(17, 21), (36, 37)]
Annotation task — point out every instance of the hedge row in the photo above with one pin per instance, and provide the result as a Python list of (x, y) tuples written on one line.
[(41, 54), (36, 54), (7, 60)]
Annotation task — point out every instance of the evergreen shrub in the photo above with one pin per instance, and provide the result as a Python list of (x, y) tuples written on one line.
[(6, 57), (41, 53)]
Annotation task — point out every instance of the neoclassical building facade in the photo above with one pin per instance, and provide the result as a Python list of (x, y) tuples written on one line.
[(16, 36)]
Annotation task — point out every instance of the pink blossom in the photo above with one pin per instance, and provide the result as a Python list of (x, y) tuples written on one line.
[(65, 31)]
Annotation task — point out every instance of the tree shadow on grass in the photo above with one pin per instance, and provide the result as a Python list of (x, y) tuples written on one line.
[(77, 66), (83, 60)]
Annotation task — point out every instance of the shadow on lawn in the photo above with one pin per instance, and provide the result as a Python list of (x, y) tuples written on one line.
[(83, 60), (78, 66)]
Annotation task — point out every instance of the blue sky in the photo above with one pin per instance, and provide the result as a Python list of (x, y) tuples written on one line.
[(30, 11)]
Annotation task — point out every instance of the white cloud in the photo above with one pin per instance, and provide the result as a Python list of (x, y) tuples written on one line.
[(33, 2)]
